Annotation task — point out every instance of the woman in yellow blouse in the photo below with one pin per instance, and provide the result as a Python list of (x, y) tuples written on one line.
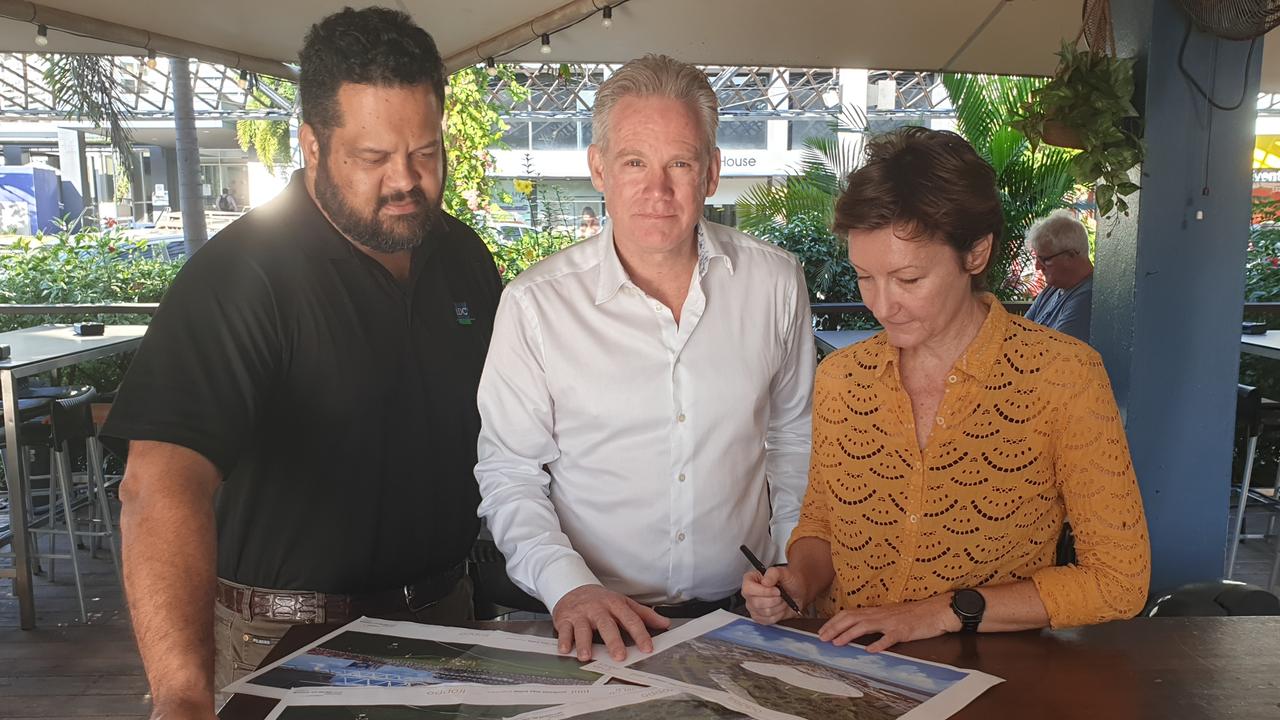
[(949, 449)]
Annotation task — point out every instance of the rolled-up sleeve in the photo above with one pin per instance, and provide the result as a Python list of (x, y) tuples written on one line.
[(516, 440), (1100, 491)]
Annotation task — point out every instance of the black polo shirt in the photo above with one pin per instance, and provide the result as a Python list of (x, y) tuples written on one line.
[(339, 404)]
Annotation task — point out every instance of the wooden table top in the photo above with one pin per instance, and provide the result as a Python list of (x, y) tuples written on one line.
[(1157, 668)]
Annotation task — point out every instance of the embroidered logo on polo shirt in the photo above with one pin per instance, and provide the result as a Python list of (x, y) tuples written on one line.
[(462, 312)]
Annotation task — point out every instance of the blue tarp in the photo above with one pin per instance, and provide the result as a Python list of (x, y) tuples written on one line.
[(29, 200)]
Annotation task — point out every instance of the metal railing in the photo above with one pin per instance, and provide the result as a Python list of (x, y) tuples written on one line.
[(1268, 309), (81, 309)]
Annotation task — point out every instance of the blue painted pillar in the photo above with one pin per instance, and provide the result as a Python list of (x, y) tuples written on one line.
[(1169, 288)]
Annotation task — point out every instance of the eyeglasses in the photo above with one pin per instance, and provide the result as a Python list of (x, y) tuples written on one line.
[(1043, 260)]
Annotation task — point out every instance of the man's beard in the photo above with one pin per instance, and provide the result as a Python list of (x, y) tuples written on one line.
[(384, 235)]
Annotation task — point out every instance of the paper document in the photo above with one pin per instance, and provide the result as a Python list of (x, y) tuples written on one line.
[(642, 704), (384, 653), (440, 702), (771, 672)]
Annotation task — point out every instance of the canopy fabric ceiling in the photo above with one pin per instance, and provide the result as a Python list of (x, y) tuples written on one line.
[(994, 36)]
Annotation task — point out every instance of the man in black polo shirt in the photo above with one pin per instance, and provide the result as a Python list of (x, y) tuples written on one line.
[(315, 368)]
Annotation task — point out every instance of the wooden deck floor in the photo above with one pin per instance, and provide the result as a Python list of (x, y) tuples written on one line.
[(66, 669)]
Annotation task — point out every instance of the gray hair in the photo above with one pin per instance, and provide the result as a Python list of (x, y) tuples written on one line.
[(657, 76), (1059, 232)]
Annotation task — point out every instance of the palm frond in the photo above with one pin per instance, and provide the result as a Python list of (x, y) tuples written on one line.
[(86, 86), (1032, 183)]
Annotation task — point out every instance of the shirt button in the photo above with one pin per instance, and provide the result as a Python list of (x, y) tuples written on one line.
[(681, 477), (680, 537), (914, 518), (657, 307), (951, 379), (680, 417)]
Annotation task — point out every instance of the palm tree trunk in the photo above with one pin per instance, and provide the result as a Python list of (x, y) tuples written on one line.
[(187, 149)]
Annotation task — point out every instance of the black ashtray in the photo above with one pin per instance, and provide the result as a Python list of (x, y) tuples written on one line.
[(4, 352), (1253, 328), (88, 328)]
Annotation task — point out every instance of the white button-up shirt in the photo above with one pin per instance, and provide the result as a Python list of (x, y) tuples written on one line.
[(620, 448)]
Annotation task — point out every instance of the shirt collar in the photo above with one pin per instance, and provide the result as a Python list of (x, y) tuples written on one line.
[(613, 276), (320, 238), (979, 358)]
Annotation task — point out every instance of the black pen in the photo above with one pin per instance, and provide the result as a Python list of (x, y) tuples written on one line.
[(760, 568)]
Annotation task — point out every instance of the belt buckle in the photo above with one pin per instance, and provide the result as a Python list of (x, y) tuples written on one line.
[(409, 600)]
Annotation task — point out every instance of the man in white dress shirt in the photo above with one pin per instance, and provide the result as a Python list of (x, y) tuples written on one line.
[(645, 403)]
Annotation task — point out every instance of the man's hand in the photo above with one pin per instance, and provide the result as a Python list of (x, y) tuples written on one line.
[(899, 622), (764, 601), (592, 607)]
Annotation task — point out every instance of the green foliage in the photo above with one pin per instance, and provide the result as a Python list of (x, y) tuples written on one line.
[(516, 256), (1091, 94), (548, 234), (86, 86), (796, 214), (86, 266), (1262, 263), (269, 139), (473, 125), (1032, 183)]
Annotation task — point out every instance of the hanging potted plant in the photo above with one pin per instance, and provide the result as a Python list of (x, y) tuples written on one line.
[(1088, 105)]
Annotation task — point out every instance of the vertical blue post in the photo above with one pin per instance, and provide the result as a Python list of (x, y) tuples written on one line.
[(1169, 288)]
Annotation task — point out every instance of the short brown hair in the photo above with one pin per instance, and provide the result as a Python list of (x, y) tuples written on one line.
[(930, 184)]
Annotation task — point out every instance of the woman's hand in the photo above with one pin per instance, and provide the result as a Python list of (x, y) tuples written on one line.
[(764, 601), (899, 622)]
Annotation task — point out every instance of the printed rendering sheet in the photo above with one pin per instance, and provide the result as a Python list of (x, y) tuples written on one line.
[(641, 704), (384, 653), (772, 672), (440, 702)]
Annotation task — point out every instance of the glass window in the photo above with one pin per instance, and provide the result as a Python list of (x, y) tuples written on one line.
[(555, 135), (743, 134), (801, 129), (517, 135)]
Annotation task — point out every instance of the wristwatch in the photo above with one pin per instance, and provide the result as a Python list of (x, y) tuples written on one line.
[(968, 605)]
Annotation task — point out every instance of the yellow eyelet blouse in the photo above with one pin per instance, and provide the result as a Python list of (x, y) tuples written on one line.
[(1027, 435)]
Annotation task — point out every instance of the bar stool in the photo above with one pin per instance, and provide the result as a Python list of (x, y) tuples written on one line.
[(67, 420), (73, 423), (1254, 415)]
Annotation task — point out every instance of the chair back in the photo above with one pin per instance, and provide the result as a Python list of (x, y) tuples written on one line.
[(1249, 409), (1215, 598)]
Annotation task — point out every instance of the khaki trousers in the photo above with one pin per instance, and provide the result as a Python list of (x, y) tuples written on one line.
[(240, 644)]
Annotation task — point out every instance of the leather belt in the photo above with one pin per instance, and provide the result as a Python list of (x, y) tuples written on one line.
[(305, 607), (698, 608)]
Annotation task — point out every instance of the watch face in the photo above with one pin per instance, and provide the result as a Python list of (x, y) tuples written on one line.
[(969, 602)]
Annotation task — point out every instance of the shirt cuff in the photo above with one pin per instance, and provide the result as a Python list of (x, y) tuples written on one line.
[(561, 577)]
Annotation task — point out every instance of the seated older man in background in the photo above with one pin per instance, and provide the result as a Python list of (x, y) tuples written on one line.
[(645, 404), (1060, 245)]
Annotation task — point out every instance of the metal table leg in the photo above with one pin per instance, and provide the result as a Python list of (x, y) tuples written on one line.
[(21, 571)]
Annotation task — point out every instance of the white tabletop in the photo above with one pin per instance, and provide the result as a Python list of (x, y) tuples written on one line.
[(49, 345), (1267, 345)]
